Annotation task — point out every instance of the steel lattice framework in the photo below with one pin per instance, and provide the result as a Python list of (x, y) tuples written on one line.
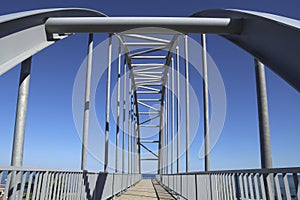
[(152, 70)]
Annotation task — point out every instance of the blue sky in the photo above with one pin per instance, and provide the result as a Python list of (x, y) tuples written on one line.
[(51, 137)]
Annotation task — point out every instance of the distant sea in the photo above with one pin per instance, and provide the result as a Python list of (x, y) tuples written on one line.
[(148, 176)]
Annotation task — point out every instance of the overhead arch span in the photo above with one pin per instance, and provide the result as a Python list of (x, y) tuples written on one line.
[(273, 39), (23, 34)]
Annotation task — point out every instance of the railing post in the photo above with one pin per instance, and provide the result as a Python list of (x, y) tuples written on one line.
[(187, 99), (87, 103), (107, 103), (236, 186)]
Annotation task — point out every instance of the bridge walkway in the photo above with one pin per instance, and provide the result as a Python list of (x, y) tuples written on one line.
[(146, 189)]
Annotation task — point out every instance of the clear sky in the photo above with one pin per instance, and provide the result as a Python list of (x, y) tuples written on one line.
[(52, 140)]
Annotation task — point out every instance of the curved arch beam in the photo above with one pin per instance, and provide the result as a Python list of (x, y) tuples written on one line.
[(273, 39), (23, 34)]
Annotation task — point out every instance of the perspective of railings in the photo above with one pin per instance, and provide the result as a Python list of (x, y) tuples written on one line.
[(151, 61), (235, 184)]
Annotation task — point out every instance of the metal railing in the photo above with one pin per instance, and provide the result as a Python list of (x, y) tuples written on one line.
[(21, 183), (280, 183)]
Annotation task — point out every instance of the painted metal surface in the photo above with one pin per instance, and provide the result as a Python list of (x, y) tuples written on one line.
[(64, 184), (121, 24), (23, 34), (263, 36), (234, 184)]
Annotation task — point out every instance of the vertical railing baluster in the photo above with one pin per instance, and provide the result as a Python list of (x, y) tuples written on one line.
[(49, 186), (277, 185), (70, 186), (230, 186), (56, 177), (28, 192), (59, 186), (286, 186), (250, 179), (297, 185), (270, 185), (257, 193), (262, 186), (15, 183), (24, 176), (44, 185), (227, 176), (62, 186), (246, 189), (38, 191), (36, 179), (1, 172), (7, 184), (235, 190)]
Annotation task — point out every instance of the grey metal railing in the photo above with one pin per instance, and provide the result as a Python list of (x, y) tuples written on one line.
[(280, 183), (21, 183)]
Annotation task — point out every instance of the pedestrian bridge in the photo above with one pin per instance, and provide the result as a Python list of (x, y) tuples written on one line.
[(152, 54)]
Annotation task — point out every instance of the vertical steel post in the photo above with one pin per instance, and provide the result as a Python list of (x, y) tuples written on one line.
[(187, 99), (129, 126), (205, 105), (131, 132), (124, 117), (134, 141), (263, 115), (167, 126), (20, 123), (173, 115), (118, 108), (107, 103), (161, 140), (86, 114), (178, 109), (136, 145)]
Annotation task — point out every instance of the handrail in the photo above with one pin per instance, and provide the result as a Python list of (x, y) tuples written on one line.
[(245, 171)]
